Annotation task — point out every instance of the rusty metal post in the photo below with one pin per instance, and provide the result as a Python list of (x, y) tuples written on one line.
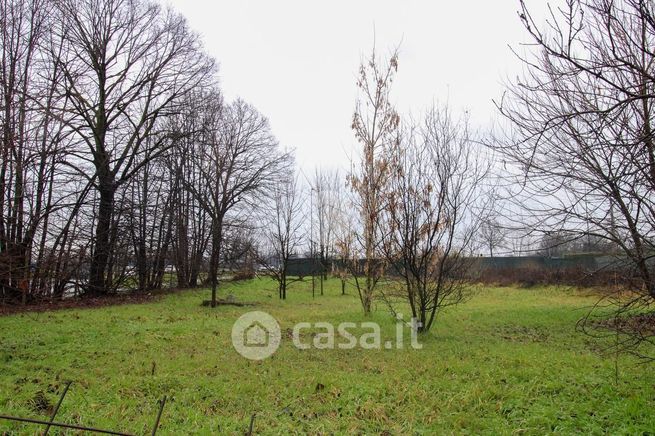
[(63, 425), (56, 409), (162, 403), (252, 424)]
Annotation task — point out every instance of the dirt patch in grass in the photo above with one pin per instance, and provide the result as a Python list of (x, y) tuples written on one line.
[(40, 403), (642, 324), (80, 303), (222, 302)]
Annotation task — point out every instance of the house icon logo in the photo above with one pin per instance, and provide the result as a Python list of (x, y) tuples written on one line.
[(256, 335)]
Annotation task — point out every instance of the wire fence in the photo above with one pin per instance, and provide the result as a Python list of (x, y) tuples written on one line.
[(52, 423)]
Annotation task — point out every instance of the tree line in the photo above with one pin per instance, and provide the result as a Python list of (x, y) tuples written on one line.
[(119, 155)]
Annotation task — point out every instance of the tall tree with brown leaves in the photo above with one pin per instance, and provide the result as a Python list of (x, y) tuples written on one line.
[(375, 122)]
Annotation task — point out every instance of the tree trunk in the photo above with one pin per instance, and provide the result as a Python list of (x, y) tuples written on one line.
[(101, 252), (214, 259)]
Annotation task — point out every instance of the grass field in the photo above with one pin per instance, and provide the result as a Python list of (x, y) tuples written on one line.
[(508, 361)]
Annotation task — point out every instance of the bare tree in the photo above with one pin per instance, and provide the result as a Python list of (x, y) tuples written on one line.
[(432, 198), (125, 63), (192, 232), (283, 232), (149, 222), (492, 234), (326, 186), (345, 263), (31, 149), (581, 137), (21, 22), (375, 122), (237, 163)]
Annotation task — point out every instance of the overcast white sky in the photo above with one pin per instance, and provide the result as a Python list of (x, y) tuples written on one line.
[(296, 60)]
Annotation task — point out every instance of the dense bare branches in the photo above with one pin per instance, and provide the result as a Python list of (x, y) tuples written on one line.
[(125, 64), (238, 163), (431, 196), (282, 231), (492, 234), (118, 157), (30, 150), (581, 137), (326, 187)]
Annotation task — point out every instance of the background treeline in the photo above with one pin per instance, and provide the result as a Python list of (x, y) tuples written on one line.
[(118, 155)]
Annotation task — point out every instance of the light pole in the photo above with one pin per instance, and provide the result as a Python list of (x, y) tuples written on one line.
[(311, 238), (311, 231)]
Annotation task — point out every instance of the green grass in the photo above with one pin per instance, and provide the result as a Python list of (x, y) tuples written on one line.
[(508, 361)]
